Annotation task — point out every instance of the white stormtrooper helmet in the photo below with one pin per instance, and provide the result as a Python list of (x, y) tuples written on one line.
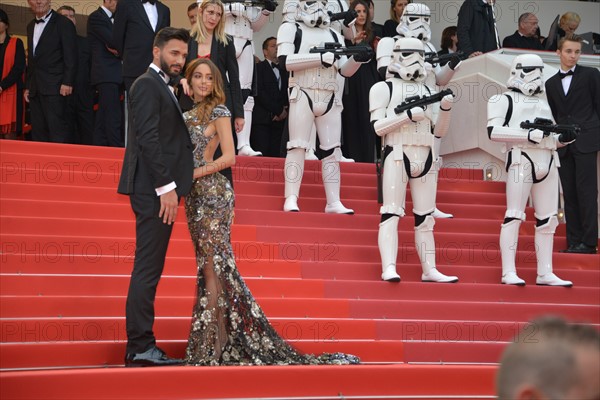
[(526, 74), (414, 22), (407, 60), (313, 13)]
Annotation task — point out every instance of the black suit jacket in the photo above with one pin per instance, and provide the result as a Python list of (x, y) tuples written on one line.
[(580, 106), (106, 67), (269, 100), (475, 30), (133, 35), (159, 149), (517, 41), (223, 56), (55, 60)]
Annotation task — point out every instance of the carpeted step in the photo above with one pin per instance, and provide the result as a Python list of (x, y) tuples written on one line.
[(455, 381)]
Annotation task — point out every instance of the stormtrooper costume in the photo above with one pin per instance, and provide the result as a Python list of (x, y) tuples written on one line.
[(414, 23), (241, 21), (408, 139), (291, 12), (532, 165), (315, 98)]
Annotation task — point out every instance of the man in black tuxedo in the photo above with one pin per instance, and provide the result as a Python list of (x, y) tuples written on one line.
[(574, 97), (136, 24), (106, 76), (51, 72), (81, 103), (157, 171), (526, 36), (270, 103), (476, 29)]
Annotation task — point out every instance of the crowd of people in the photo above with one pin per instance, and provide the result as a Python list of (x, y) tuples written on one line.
[(191, 96), (86, 77)]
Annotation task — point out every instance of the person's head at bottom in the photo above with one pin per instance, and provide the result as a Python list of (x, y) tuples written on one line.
[(551, 359)]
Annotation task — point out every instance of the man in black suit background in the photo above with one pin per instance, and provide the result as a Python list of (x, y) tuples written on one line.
[(51, 72), (476, 28), (270, 103), (136, 24), (574, 97), (81, 103), (157, 171), (526, 36), (106, 76)]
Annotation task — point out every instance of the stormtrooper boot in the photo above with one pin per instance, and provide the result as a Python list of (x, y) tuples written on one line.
[(310, 155), (330, 169), (293, 171), (544, 236), (243, 137), (438, 165), (388, 248), (426, 249), (509, 238), (312, 142)]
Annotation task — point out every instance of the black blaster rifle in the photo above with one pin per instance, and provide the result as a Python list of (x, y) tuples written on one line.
[(434, 58), (360, 52), (346, 16), (421, 101), (545, 125)]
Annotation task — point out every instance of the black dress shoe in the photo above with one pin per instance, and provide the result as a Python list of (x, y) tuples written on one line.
[(153, 357), (568, 250), (582, 248)]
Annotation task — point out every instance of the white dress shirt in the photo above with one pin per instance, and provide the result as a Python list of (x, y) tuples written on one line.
[(152, 13), (38, 29), (566, 81)]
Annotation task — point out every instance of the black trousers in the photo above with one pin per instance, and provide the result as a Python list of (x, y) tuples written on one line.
[(151, 242), (266, 138), (579, 179), (49, 119), (108, 129)]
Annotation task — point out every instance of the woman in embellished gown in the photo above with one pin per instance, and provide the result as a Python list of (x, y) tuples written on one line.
[(228, 326)]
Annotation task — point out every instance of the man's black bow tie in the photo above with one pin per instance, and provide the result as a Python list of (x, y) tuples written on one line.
[(40, 21), (153, 2), (274, 66), (172, 81), (565, 74)]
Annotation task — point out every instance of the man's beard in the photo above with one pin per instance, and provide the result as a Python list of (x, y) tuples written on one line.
[(167, 69)]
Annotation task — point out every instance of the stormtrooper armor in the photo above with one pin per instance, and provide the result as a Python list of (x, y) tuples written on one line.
[(292, 13), (408, 139), (315, 99), (241, 21), (532, 165), (414, 23)]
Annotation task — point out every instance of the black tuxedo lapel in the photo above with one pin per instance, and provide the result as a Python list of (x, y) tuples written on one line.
[(140, 7), (45, 32), (161, 16), (166, 87)]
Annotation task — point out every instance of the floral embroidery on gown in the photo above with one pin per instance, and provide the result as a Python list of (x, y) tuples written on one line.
[(228, 326)]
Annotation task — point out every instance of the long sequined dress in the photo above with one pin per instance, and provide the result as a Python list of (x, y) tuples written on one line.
[(228, 326)]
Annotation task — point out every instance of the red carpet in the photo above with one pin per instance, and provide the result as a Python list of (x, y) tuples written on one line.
[(67, 244)]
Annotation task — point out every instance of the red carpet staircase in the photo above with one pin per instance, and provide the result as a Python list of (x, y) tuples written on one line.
[(67, 245)]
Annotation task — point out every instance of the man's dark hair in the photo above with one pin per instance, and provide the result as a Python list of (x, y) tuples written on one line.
[(66, 8), (192, 6), (170, 33), (447, 34), (569, 38), (266, 42)]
